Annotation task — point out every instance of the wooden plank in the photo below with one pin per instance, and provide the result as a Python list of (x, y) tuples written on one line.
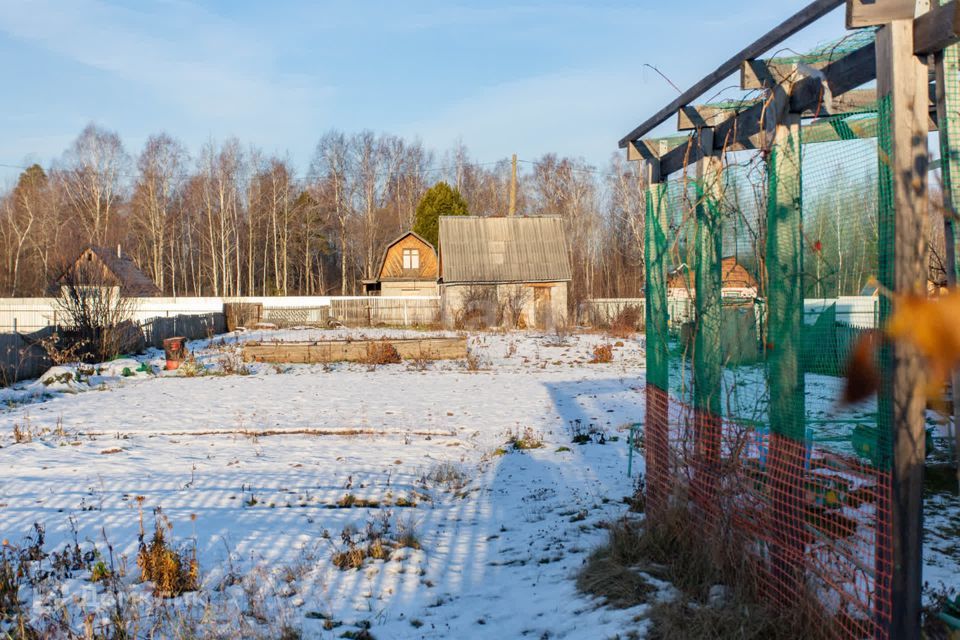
[(871, 13), (653, 148), (903, 219), (709, 115), (353, 350), (744, 132), (936, 29), (763, 74), (789, 27)]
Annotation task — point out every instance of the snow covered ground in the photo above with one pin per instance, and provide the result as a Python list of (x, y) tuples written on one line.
[(272, 470), (257, 469)]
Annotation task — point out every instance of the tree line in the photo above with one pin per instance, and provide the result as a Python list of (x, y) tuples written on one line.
[(231, 220)]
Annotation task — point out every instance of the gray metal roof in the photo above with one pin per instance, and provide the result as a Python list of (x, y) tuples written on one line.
[(513, 249)]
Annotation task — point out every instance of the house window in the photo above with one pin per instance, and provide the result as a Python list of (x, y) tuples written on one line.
[(411, 258)]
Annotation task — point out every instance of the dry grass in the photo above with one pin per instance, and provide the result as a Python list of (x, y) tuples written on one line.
[(172, 572), (602, 353), (376, 542), (718, 583), (447, 474), (21, 434), (610, 571), (527, 439), (476, 362), (626, 323), (382, 352), (231, 362)]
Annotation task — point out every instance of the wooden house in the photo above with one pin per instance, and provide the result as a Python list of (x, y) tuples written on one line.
[(106, 267), (736, 281), (408, 268), (513, 270)]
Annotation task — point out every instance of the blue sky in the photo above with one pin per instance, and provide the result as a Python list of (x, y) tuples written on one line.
[(503, 77)]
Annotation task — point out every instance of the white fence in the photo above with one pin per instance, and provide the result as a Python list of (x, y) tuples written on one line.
[(856, 311), (598, 312), (24, 315)]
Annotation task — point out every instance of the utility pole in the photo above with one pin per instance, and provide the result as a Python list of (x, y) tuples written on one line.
[(513, 186)]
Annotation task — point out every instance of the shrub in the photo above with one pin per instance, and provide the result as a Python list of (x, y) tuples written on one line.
[(675, 549), (476, 362), (602, 353), (97, 317), (512, 303), (382, 352), (449, 474), (231, 363), (529, 439), (172, 572), (627, 322), (478, 308)]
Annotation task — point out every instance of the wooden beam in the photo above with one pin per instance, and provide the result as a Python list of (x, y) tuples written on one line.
[(806, 16), (903, 221), (710, 115), (871, 13), (764, 74), (936, 29), (694, 117), (653, 148), (746, 129)]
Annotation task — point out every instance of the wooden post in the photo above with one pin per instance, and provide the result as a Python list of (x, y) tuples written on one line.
[(948, 122), (513, 185), (707, 351), (656, 428), (903, 98), (785, 375)]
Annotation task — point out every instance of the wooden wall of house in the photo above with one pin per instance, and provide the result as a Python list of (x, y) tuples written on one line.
[(393, 264)]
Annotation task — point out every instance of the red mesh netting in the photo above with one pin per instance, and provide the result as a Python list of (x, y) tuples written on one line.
[(814, 521)]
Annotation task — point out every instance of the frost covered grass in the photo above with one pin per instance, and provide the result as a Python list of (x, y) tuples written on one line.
[(319, 500), (323, 500)]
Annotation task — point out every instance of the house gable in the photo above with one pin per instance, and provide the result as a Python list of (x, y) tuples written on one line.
[(733, 276), (101, 266), (409, 257)]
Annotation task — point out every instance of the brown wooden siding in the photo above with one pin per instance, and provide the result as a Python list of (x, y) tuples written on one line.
[(392, 268)]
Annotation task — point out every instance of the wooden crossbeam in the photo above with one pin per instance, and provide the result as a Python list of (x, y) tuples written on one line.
[(936, 29), (789, 27), (677, 152), (869, 13), (653, 149), (764, 74), (933, 31), (710, 115)]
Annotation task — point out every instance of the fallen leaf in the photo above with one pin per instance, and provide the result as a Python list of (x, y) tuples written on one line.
[(863, 378)]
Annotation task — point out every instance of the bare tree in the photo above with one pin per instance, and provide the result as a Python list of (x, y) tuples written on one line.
[(155, 196), (23, 210), (330, 170), (93, 174), (95, 314)]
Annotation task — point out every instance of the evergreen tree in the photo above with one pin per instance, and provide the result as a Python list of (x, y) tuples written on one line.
[(440, 200)]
